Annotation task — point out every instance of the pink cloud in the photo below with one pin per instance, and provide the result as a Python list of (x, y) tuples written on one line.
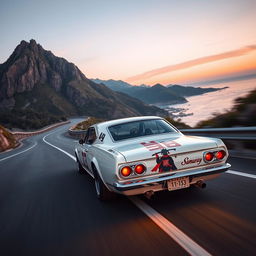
[(191, 63)]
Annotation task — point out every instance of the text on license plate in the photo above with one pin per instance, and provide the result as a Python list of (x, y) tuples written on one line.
[(178, 183)]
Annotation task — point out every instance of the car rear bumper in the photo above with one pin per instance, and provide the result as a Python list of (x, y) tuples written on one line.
[(156, 184)]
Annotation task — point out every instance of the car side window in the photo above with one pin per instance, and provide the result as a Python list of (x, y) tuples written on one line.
[(90, 136)]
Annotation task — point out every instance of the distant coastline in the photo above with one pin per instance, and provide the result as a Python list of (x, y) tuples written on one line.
[(203, 107), (158, 94)]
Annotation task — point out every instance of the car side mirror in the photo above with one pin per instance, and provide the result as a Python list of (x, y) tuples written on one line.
[(90, 141), (81, 141)]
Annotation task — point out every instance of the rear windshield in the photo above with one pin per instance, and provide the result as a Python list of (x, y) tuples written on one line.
[(139, 129)]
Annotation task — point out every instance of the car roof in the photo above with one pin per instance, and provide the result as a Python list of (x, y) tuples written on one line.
[(126, 120)]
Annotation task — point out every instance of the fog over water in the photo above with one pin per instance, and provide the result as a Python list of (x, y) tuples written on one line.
[(203, 106)]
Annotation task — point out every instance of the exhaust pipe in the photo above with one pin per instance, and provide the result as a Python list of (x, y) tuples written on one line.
[(149, 194), (200, 184)]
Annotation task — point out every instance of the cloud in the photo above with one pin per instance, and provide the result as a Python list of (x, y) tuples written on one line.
[(191, 63)]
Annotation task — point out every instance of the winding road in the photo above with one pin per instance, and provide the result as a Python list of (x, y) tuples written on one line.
[(48, 208)]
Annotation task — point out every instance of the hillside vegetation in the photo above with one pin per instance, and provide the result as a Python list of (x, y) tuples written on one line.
[(84, 125)]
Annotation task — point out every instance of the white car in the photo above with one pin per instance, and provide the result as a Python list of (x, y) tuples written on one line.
[(142, 155)]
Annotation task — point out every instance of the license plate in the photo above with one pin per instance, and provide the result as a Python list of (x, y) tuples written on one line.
[(178, 183)]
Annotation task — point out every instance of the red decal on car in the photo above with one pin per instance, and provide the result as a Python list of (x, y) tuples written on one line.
[(191, 161), (171, 144), (153, 145)]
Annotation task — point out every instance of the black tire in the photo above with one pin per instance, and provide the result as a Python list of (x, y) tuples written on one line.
[(102, 191), (80, 168)]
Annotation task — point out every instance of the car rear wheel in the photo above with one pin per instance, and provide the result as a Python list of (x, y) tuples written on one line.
[(102, 191)]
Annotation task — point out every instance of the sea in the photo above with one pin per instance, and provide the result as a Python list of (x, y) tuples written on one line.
[(203, 107)]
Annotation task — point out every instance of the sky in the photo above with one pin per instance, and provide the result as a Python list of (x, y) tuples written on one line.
[(139, 41)]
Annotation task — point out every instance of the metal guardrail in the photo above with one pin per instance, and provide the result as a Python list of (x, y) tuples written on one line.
[(235, 133), (239, 140), (77, 134), (22, 135)]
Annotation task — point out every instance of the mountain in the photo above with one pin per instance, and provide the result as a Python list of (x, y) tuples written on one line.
[(187, 91), (37, 88), (115, 85), (157, 94)]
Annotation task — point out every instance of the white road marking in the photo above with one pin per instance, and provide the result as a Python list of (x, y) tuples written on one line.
[(63, 151), (244, 174), (183, 240), (19, 152), (244, 157), (177, 235)]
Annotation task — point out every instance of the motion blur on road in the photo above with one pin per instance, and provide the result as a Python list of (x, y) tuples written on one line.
[(48, 208)]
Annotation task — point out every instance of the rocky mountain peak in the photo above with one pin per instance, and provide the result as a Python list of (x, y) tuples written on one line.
[(29, 65), (158, 86), (25, 48)]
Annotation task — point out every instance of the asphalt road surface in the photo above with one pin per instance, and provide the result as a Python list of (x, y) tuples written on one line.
[(48, 208)]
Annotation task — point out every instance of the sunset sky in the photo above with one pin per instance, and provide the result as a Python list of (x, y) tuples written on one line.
[(139, 41)]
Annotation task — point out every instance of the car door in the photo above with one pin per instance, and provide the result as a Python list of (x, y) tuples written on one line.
[(82, 151), (90, 138)]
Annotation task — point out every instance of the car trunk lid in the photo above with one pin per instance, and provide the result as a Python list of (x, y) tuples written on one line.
[(184, 151), (145, 148)]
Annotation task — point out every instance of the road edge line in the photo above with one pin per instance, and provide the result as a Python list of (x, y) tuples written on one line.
[(2, 159), (61, 150), (170, 229), (244, 174)]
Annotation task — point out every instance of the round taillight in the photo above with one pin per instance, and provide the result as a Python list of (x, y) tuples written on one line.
[(208, 156), (220, 154), (139, 169), (126, 171)]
